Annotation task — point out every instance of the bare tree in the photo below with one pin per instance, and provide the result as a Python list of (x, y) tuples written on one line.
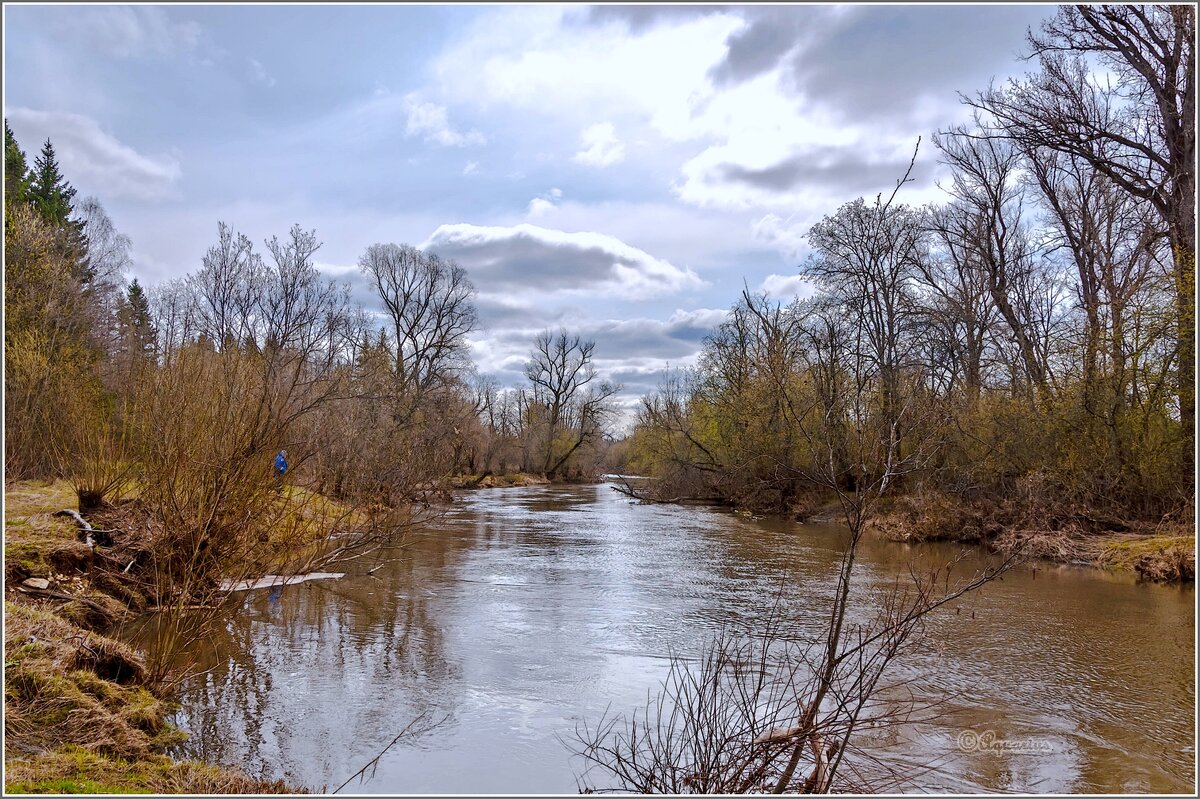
[(226, 290), (570, 408), (959, 300), (989, 228), (1139, 133), (107, 259), (866, 258), (429, 302)]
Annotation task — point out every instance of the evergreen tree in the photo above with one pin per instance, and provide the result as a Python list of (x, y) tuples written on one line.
[(16, 169), (52, 197), (133, 318), (50, 192)]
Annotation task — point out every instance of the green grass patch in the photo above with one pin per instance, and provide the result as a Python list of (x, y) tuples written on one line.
[(1162, 558), (37, 543)]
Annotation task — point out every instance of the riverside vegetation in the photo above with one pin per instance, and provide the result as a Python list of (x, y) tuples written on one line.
[(1042, 319), (1013, 367)]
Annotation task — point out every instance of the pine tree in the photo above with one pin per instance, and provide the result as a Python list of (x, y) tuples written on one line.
[(16, 169), (51, 194)]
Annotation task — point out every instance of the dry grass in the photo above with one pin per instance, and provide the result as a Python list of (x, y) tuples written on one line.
[(935, 516), (80, 718), (72, 769), (30, 497), (64, 684), (506, 480)]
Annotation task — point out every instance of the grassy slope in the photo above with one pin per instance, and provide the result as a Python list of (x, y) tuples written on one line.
[(79, 716)]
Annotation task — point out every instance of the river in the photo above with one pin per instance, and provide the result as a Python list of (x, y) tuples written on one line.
[(526, 611)]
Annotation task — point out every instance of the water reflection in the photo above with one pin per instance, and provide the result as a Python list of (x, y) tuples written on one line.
[(527, 610)]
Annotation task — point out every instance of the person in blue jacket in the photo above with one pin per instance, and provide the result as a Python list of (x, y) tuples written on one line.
[(280, 469)]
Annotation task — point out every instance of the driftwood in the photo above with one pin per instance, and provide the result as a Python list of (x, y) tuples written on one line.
[(93, 537), (84, 526), (50, 593), (777, 735), (273, 580)]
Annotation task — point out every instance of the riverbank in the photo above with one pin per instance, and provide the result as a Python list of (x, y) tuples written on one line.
[(515, 480), (82, 713), (1162, 551)]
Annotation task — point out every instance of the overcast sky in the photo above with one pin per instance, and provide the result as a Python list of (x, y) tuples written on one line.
[(622, 171)]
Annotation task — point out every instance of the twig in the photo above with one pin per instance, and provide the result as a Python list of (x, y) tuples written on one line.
[(373, 763)]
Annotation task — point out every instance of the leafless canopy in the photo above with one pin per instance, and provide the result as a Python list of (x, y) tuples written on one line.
[(429, 304)]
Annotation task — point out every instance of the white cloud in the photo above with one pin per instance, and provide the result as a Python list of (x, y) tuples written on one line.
[(600, 146), (529, 58), (470, 168), (544, 204), (539, 207), (95, 159), (260, 74), (779, 233), (765, 144), (787, 287), (526, 258), (430, 121)]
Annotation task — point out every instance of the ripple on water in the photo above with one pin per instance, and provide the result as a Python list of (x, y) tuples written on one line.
[(526, 611)]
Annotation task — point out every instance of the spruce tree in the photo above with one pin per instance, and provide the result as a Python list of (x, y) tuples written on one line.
[(133, 318), (16, 169), (52, 197), (50, 192)]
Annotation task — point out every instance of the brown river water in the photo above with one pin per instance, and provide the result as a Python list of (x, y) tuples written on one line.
[(526, 611)]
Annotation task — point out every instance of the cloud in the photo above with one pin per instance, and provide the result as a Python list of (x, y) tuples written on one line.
[(787, 287), (826, 166), (779, 233), (770, 36), (135, 31), (544, 204), (600, 146), (649, 343), (94, 159), (430, 121), (762, 169), (470, 168), (641, 18), (632, 352), (533, 60), (539, 207), (259, 73), (878, 61), (526, 257)]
